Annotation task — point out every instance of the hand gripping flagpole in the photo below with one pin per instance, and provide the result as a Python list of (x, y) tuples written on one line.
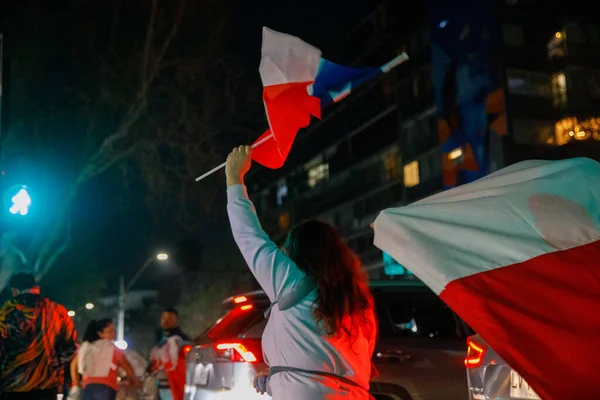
[(215, 169), (384, 68)]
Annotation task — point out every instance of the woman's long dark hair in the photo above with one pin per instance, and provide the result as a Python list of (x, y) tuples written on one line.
[(343, 289), (94, 327)]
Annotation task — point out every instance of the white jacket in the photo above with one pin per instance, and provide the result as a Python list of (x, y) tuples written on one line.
[(292, 337), (95, 359)]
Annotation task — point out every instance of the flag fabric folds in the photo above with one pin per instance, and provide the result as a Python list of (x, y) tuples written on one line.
[(517, 255), (297, 84)]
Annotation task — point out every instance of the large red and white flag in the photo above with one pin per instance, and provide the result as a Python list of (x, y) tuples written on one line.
[(517, 256)]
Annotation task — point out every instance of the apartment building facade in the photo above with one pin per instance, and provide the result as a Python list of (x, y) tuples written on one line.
[(381, 146)]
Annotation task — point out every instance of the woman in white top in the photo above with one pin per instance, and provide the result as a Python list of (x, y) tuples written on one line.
[(98, 361), (320, 347)]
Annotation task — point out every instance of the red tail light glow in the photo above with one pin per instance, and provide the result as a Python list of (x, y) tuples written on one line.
[(235, 352), (247, 307), (187, 348), (475, 353), (240, 299)]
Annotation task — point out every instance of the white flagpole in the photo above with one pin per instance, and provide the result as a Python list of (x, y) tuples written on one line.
[(215, 169), (384, 68)]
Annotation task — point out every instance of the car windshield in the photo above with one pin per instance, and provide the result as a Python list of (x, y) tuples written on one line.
[(418, 313)]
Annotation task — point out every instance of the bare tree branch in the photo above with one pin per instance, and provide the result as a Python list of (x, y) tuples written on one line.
[(115, 159), (147, 47), (168, 40), (135, 93), (146, 81), (41, 269), (98, 162), (107, 156), (57, 235)]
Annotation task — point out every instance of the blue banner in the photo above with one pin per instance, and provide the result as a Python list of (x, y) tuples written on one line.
[(468, 85)]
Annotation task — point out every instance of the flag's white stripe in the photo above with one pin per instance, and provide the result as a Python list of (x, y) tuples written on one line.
[(509, 217), (287, 59)]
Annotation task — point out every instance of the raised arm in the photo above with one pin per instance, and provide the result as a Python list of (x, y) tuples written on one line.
[(274, 271)]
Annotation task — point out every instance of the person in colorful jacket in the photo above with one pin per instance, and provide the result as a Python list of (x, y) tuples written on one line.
[(37, 340), (169, 354)]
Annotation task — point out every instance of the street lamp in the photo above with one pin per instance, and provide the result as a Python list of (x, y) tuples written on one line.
[(89, 306), (124, 289), (71, 313)]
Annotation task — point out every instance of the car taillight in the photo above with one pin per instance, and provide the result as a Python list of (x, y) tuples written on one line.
[(187, 348), (235, 352), (475, 353)]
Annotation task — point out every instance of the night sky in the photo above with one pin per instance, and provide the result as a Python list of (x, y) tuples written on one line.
[(117, 231)]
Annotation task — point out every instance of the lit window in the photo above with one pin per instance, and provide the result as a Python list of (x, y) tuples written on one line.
[(456, 153), (572, 128), (559, 89), (318, 174), (411, 174), (391, 165)]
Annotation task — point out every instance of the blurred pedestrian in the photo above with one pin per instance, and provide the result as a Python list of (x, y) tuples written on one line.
[(98, 361), (321, 331), (37, 340), (169, 355)]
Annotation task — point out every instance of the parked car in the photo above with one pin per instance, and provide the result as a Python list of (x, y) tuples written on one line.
[(419, 355), (490, 377)]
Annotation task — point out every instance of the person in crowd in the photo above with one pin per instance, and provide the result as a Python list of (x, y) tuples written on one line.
[(37, 340), (319, 345), (169, 354), (96, 365)]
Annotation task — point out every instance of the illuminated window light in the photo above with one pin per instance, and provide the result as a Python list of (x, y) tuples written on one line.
[(456, 153), (411, 174)]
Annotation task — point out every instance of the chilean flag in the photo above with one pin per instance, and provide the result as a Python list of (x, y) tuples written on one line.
[(298, 83), (517, 255)]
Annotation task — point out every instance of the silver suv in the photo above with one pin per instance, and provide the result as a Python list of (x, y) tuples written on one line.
[(419, 355), (490, 377)]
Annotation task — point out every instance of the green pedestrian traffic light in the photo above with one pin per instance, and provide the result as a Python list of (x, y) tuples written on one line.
[(20, 201)]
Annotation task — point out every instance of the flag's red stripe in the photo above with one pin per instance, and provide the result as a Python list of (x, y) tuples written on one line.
[(540, 315), (289, 108)]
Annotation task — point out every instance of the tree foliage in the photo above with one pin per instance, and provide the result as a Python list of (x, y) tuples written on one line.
[(142, 87)]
